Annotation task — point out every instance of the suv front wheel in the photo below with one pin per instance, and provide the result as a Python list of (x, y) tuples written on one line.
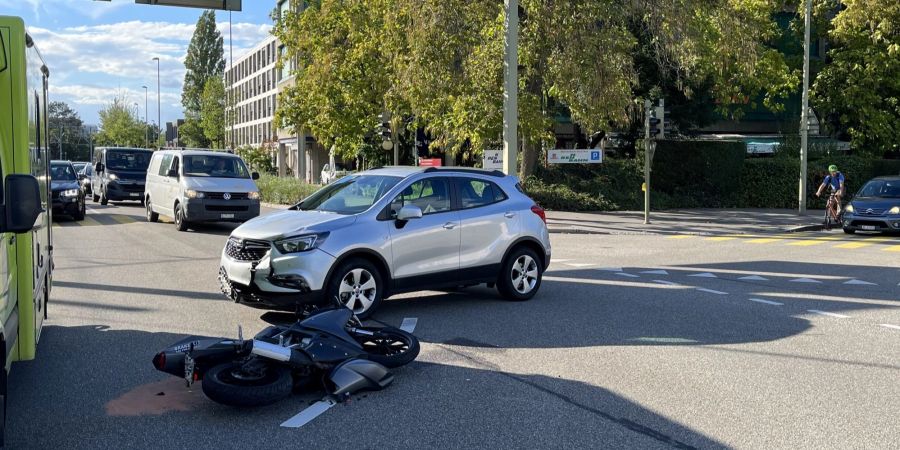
[(356, 284), (520, 277)]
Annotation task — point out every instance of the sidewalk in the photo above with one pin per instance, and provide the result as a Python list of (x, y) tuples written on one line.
[(688, 221)]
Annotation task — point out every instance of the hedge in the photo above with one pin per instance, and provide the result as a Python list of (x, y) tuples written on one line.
[(283, 191)]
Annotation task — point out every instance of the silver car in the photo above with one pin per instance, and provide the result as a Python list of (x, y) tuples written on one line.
[(386, 231)]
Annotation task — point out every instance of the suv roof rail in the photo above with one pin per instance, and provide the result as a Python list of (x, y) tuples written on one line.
[(493, 173)]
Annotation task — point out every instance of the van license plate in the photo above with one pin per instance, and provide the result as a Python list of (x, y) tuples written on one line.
[(135, 194), (228, 216), (867, 227)]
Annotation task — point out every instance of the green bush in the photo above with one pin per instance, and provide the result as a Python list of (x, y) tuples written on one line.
[(562, 198), (283, 191)]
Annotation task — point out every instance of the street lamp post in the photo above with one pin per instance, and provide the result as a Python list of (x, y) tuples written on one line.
[(146, 120), (158, 102)]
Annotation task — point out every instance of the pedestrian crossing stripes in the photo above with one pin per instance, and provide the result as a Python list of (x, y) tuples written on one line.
[(882, 243), (92, 220)]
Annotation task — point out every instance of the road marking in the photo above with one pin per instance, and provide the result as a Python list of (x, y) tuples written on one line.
[(656, 272), (804, 280), (122, 219), (830, 314), (712, 291), (893, 248), (887, 325), (721, 238), (580, 264), (763, 240), (610, 269), (89, 222), (308, 414), (808, 242), (409, 324), (681, 236), (768, 302), (754, 278), (855, 281), (853, 244), (667, 283), (623, 274), (559, 260), (704, 275)]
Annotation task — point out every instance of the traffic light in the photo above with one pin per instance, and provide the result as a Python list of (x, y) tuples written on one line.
[(654, 124), (384, 130)]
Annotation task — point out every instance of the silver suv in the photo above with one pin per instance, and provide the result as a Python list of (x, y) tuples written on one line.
[(385, 231)]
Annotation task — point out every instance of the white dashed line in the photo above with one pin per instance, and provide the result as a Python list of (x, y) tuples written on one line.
[(861, 282), (667, 283), (768, 302), (704, 275), (804, 280), (829, 314), (754, 278), (409, 324), (559, 260), (711, 291), (656, 272), (887, 325), (580, 264), (623, 274)]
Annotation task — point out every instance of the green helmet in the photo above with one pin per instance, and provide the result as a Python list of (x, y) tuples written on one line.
[(832, 168)]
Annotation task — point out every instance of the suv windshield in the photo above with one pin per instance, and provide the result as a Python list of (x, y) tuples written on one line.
[(62, 172), (137, 160), (214, 166), (351, 195), (881, 188)]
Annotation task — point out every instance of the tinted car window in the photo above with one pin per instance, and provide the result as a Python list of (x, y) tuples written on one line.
[(474, 193), (127, 160), (431, 195), (62, 172)]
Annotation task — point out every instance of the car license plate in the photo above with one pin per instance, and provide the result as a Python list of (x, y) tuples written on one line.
[(135, 194), (228, 216), (867, 227)]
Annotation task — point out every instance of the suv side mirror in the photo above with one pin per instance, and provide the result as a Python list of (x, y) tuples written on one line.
[(409, 212), (23, 205), (254, 175), (172, 173), (99, 167)]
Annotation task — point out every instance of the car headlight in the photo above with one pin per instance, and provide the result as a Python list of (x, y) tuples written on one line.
[(253, 195), (895, 210), (190, 193), (113, 177), (302, 243), (70, 193), (849, 208)]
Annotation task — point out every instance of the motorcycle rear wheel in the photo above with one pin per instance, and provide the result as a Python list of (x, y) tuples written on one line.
[(391, 347), (230, 384)]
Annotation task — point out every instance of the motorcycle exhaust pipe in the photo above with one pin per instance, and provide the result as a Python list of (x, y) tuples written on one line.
[(279, 353)]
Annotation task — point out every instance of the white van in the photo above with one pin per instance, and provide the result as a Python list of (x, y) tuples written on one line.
[(194, 186)]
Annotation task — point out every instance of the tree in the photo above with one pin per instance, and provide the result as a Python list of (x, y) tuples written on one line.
[(859, 89), (119, 125), (205, 60), (67, 129), (212, 111)]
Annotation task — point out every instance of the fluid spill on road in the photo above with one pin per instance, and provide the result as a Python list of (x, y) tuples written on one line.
[(156, 399)]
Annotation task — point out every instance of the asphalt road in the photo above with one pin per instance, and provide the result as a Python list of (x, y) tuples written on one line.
[(635, 341)]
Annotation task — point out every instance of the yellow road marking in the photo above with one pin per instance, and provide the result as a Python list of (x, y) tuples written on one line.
[(854, 244), (816, 241), (893, 248), (122, 219), (764, 240), (681, 236), (720, 238), (88, 222)]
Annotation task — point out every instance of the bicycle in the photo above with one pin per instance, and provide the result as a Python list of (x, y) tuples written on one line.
[(833, 211)]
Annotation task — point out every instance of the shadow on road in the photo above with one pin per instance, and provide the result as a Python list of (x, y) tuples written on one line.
[(140, 290), (98, 389)]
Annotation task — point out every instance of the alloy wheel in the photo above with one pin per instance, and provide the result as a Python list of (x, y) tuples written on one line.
[(358, 290), (524, 274)]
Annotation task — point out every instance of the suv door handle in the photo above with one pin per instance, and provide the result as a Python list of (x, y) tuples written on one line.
[(509, 215), (449, 225)]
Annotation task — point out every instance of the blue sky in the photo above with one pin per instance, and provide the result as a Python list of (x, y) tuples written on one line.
[(96, 50)]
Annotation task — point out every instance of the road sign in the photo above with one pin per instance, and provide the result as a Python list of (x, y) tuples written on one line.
[(574, 156), (430, 162), (493, 159)]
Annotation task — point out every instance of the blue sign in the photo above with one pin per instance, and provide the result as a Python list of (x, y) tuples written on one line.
[(595, 156)]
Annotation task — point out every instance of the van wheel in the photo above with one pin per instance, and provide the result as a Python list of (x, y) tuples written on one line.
[(103, 199), (151, 216), (180, 223), (520, 277)]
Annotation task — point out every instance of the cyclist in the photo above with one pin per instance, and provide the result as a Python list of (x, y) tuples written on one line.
[(834, 180)]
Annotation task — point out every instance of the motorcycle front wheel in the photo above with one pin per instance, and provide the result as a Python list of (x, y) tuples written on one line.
[(391, 347), (244, 385)]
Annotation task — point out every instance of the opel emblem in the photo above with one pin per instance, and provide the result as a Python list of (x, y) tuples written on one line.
[(226, 196)]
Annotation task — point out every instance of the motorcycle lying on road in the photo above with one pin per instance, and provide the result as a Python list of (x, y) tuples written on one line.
[(330, 345)]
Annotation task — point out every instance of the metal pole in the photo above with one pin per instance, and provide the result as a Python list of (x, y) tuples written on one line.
[(647, 155), (231, 80), (804, 113), (146, 119), (511, 89)]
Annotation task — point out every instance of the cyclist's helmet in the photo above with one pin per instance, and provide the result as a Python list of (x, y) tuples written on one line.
[(832, 168)]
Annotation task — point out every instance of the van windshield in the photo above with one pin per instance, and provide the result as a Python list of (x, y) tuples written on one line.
[(137, 160), (214, 166)]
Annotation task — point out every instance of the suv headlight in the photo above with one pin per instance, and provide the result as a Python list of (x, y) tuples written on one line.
[(70, 193), (849, 208), (113, 177), (302, 243), (190, 193), (253, 195), (895, 210)]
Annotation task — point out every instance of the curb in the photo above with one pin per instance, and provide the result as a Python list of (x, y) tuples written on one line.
[(801, 228)]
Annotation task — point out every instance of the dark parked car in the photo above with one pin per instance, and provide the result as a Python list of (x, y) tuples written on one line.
[(84, 176), (876, 207), (67, 196)]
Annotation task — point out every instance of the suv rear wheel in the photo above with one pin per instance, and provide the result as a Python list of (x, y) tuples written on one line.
[(520, 277), (357, 284)]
